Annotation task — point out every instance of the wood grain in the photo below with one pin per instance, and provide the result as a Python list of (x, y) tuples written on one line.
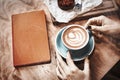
[(102, 59)]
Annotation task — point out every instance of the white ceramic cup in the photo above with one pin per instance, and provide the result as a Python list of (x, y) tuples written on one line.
[(75, 37)]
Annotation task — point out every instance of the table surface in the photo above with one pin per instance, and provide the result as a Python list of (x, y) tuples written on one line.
[(103, 58), (105, 54)]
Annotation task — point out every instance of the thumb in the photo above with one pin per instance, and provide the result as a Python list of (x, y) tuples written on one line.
[(70, 62), (86, 66)]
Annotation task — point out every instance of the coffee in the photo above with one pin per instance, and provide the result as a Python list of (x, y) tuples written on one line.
[(75, 37)]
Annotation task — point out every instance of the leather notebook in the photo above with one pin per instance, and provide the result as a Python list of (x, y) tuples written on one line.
[(30, 38)]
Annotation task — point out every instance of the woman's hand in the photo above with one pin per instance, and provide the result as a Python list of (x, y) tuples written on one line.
[(104, 25), (69, 71)]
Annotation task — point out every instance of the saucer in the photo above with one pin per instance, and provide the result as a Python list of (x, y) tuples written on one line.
[(76, 55)]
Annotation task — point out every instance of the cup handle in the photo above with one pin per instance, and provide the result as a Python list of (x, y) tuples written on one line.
[(90, 33)]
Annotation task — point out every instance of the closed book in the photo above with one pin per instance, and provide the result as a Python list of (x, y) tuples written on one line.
[(30, 38)]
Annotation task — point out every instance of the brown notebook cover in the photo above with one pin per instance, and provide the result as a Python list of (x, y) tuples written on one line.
[(30, 38)]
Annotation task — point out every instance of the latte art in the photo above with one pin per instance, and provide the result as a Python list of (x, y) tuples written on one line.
[(75, 37)]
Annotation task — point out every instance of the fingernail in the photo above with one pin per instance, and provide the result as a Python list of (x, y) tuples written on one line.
[(89, 27)]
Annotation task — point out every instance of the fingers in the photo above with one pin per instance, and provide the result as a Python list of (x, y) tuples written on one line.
[(69, 59), (64, 70), (100, 23), (94, 21), (97, 23), (70, 71), (97, 28), (60, 69), (70, 62), (59, 74), (86, 66), (63, 67), (60, 60), (86, 69)]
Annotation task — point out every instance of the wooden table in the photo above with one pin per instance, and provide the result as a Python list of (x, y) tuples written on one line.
[(104, 56)]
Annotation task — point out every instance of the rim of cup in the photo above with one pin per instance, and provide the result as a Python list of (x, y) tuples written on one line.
[(87, 34)]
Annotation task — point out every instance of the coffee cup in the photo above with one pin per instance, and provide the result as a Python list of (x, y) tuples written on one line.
[(75, 37), (81, 48)]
